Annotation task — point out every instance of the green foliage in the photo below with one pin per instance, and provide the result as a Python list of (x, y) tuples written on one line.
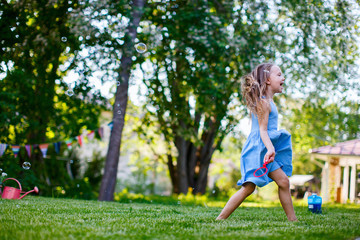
[(93, 173), (46, 218), (39, 46), (200, 49), (180, 199), (51, 175), (316, 122), (197, 52)]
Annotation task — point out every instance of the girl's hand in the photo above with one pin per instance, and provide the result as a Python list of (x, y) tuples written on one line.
[(269, 156)]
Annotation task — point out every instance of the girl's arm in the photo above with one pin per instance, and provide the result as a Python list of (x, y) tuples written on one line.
[(263, 122)]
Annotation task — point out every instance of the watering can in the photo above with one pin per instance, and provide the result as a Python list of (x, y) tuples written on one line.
[(14, 193)]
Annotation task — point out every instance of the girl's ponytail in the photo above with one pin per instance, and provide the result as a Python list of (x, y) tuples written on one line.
[(253, 88)]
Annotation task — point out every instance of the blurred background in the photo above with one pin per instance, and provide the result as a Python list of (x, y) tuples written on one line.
[(144, 96)]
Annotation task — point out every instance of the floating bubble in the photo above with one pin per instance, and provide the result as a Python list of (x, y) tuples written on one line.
[(140, 47), (4, 175), (118, 83), (77, 185), (69, 92), (26, 165), (119, 112), (213, 191), (63, 39), (71, 161)]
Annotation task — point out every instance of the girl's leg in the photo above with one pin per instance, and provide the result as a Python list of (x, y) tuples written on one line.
[(236, 199), (284, 192)]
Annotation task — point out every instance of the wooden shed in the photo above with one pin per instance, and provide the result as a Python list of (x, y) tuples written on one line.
[(339, 164)]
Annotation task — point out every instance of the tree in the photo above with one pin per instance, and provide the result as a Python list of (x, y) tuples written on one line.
[(199, 51), (39, 46), (334, 122), (108, 182)]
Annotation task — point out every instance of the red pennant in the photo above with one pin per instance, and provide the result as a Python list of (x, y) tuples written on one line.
[(80, 140)]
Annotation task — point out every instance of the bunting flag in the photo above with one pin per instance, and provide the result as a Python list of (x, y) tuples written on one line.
[(68, 143), (15, 149), (57, 146), (80, 139), (2, 148), (91, 135), (28, 149), (43, 148), (101, 132)]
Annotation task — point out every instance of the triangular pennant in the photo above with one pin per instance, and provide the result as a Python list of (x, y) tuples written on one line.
[(111, 124), (69, 143), (80, 139), (91, 135), (15, 149), (57, 146), (43, 148), (28, 149), (101, 132), (2, 148)]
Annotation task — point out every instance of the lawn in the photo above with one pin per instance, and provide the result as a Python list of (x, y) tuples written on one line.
[(48, 218)]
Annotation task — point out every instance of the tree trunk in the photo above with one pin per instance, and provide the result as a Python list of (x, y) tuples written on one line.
[(181, 164), (173, 175), (197, 159), (108, 182)]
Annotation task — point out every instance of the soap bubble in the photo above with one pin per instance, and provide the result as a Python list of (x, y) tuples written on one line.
[(63, 39), (69, 92), (77, 185), (119, 112), (213, 191), (118, 83), (140, 47), (4, 175), (26, 165)]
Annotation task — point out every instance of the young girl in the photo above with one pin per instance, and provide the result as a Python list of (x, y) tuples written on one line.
[(265, 144)]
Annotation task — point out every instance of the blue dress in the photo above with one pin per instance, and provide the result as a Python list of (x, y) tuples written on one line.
[(254, 150)]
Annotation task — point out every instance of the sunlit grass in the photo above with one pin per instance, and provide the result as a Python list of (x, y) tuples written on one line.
[(47, 218)]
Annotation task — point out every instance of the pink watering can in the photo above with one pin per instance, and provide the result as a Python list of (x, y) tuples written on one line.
[(14, 193)]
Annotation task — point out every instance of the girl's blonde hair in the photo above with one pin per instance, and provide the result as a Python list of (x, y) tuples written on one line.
[(253, 88)]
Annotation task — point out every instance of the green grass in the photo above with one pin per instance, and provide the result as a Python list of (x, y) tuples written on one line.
[(47, 218)]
